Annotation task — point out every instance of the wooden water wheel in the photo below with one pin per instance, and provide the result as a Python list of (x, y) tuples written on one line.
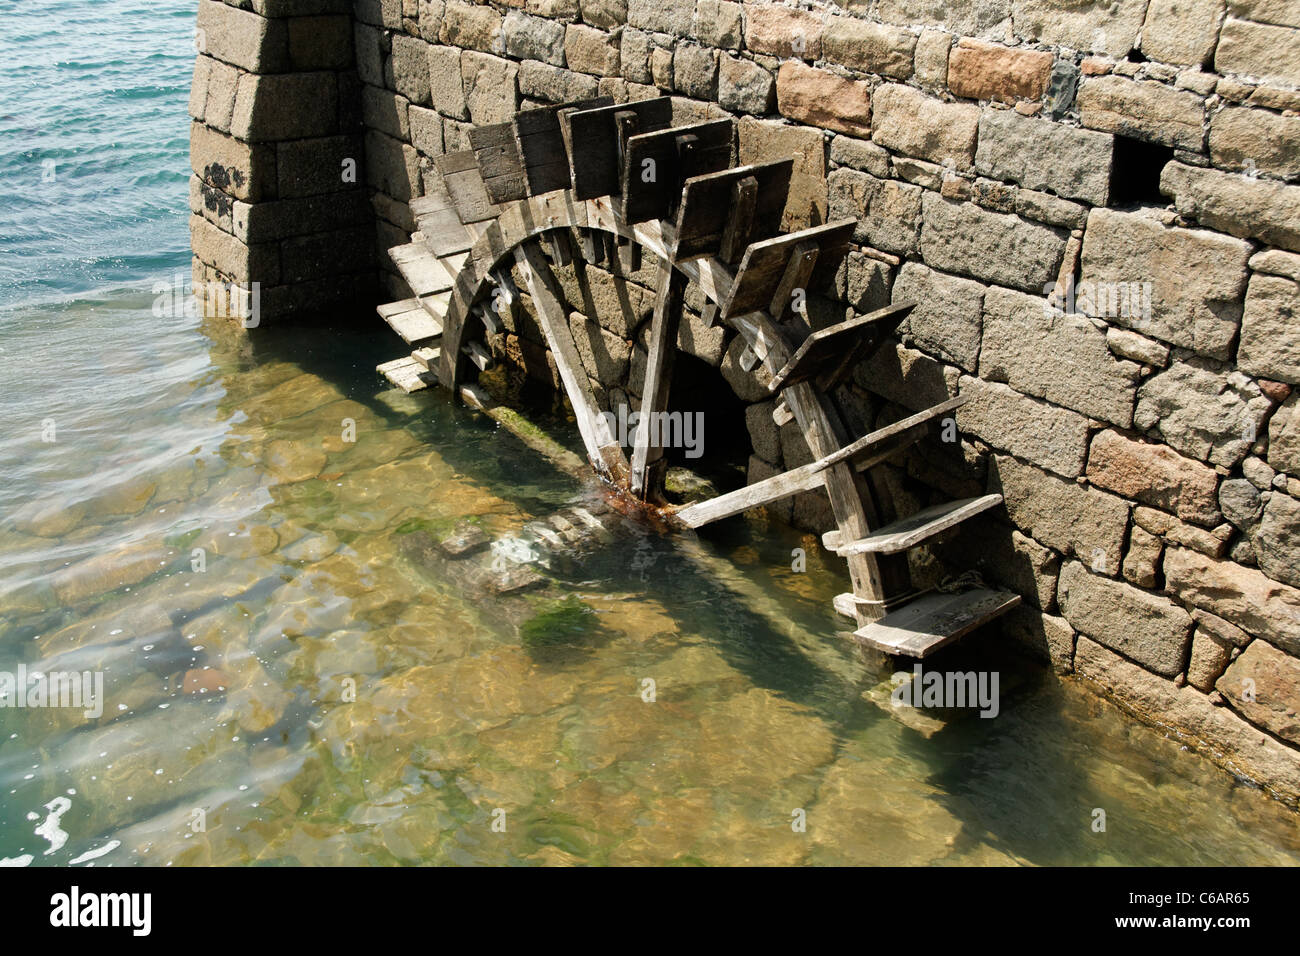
[(542, 188)]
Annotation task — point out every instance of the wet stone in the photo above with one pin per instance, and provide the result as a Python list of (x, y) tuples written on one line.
[(519, 577), (465, 540)]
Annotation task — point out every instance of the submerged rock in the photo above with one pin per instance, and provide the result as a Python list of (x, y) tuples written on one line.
[(292, 461)]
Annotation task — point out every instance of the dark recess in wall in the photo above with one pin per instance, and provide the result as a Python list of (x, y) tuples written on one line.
[(699, 387), (1135, 172)]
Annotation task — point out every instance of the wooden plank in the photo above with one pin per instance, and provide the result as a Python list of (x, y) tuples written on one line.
[(495, 150), (506, 188), (602, 447), (436, 305), (420, 268), (757, 495), (654, 169), (594, 160), (443, 232), (415, 326), (908, 429), (436, 199), (841, 346), (497, 155), (809, 477), (705, 210), (405, 373), (647, 456), (925, 524), (465, 186), (541, 144), (920, 628), (393, 308), (541, 120), (764, 265)]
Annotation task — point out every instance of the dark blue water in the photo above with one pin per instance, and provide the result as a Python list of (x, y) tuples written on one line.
[(94, 140)]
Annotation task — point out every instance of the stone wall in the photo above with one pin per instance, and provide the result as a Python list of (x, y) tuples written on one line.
[(277, 191), (1095, 205)]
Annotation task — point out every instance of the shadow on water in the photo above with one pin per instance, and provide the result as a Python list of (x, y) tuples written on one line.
[(1025, 784)]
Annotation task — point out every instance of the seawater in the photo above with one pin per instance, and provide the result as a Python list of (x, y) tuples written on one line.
[(292, 674)]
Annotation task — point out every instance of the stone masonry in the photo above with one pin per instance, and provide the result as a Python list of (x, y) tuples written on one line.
[(1096, 205), (277, 190)]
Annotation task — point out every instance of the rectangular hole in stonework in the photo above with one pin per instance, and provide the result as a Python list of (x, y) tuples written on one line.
[(1135, 174)]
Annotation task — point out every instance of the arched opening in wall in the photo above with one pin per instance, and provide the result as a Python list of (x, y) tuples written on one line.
[(719, 446), (1135, 172)]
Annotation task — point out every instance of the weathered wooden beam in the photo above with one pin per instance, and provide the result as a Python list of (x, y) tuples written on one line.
[(908, 430), (853, 510), (760, 493), (794, 281), (647, 455), (739, 231), (830, 353), (602, 446), (867, 451), (464, 184), (925, 625), (497, 154)]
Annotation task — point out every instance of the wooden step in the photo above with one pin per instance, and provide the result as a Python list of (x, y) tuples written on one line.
[(407, 374), (427, 357), (910, 531), (412, 320), (921, 627), (420, 269)]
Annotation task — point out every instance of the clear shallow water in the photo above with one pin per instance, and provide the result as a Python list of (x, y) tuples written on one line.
[(230, 690)]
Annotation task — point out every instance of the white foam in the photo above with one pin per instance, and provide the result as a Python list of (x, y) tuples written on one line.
[(107, 848), (50, 828)]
